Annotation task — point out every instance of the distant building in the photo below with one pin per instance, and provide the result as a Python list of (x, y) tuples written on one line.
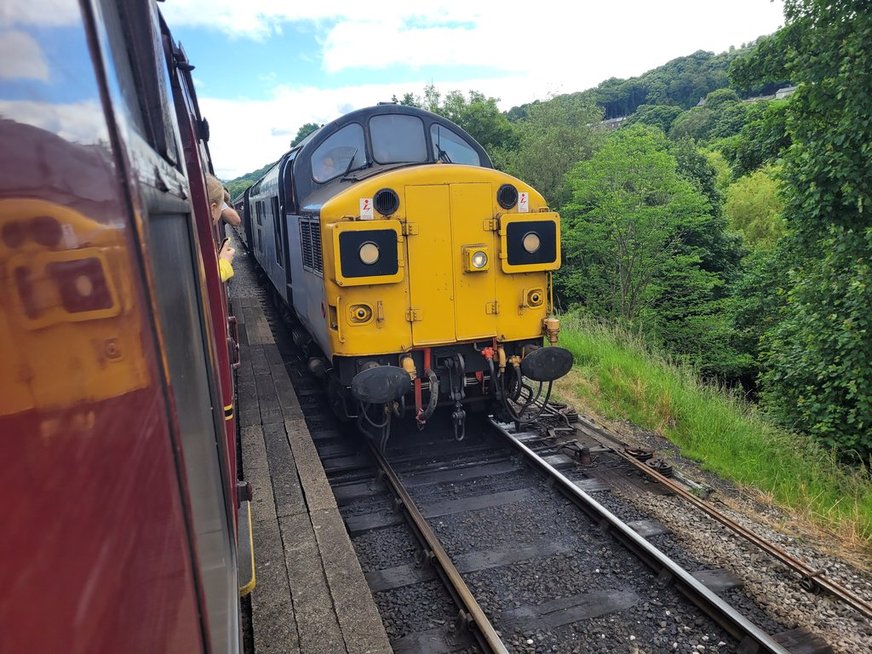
[(784, 92), (613, 123)]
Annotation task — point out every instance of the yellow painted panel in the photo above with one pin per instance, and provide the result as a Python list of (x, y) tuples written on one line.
[(516, 321), (386, 329), (475, 291), (431, 278)]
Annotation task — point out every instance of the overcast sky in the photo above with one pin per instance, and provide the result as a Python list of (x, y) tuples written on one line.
[(266, 67)]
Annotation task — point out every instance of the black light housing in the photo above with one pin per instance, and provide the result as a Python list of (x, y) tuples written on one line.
[(386, 201), (507, 196)]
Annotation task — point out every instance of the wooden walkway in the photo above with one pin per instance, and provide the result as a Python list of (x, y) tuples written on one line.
[(311, 596)]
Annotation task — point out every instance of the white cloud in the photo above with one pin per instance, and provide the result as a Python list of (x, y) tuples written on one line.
[(246, 134), (45, 13), (79, 122), (557, 39), (550, 38), (21, 57), (553, 47)]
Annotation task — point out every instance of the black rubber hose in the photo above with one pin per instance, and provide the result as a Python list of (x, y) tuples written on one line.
[(434, 394), (494, 380)]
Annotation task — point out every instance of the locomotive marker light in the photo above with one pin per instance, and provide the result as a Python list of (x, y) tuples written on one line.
[(507, 196), (359, 314), (530, 242), (476, 258)]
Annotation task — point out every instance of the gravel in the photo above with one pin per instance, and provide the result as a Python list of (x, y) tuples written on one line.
[(770, 587)]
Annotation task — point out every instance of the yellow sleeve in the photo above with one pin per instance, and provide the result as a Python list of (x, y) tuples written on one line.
[(225, 270)]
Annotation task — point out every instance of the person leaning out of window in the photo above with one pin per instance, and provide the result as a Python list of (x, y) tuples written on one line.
[(218, 208)]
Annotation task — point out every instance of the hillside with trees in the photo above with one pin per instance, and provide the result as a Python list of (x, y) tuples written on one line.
[(733, 234)]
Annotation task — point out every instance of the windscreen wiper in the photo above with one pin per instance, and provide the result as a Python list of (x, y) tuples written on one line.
[(350, 163), (440, 153)]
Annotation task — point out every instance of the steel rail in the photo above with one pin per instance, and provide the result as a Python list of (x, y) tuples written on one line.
[(751, 637), (483, 629), (811, 578)]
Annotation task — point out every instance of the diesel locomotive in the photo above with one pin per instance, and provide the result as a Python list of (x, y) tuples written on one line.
[(418, 273)]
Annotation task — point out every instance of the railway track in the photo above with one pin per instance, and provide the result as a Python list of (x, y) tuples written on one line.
[(443, 490), (534, 574), (361, 475)]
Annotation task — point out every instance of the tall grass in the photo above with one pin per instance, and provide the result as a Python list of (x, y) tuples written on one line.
[(619, 377)]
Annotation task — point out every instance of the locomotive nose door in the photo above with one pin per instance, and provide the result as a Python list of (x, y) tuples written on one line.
[(449, 300), (431, 277), (475, 304)]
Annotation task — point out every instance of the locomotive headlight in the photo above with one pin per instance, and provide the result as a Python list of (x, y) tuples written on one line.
[(368, 253), (479, 260), (531, 242)]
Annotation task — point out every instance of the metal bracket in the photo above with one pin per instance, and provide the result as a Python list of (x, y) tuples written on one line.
[(491, 225), (410, 229), (414, 314), (492, 307)]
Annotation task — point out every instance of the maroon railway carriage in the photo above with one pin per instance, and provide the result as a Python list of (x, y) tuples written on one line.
[(126, 528)]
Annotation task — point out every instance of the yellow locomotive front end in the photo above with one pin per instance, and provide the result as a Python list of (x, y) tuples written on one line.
[(435, 264), (459, 254)]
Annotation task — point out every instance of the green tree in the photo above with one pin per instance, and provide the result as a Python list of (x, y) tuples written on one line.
[(720, 250), (480, 116), (722, 114), (477, 114), (754, 207), (723, 172), (656, 115), (239, 184), (628, 246), (697, 123), (554, 136), (762, 139), (755, 306), (818, 376), (720, 97), (303, 132)]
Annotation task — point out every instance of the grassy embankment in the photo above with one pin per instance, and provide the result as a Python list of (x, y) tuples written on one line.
[(617, 377)]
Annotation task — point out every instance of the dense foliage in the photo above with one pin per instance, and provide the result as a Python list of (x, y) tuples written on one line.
[(682, 82), (552, 138), (818, 375), (238, 185), (639, 237)]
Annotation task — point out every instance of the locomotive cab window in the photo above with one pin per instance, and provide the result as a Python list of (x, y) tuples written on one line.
[(397, 139), (344, 150), (449, 147)]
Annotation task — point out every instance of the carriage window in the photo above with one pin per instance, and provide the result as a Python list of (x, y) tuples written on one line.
[(278, 230), (342, 151), (452, 148), (397, 139)]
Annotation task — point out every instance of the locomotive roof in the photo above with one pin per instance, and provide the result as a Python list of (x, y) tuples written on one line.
[(361, 159), (363, 164)]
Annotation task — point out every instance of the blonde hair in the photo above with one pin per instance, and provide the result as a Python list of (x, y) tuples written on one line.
[(214, 189)]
